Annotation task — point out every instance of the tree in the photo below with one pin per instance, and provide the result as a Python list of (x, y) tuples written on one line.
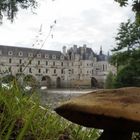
[(127, 55), (127, 44), (135, 7), (128, 76), (30, 80), (9, 8), (8, 79), (109, 81)]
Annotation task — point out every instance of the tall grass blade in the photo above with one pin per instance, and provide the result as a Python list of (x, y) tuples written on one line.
[(28, 122)]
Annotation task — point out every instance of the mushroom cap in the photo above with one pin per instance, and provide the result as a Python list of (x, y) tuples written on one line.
[(116, 109)]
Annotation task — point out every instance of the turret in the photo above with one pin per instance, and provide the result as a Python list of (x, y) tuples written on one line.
[(101, 52)]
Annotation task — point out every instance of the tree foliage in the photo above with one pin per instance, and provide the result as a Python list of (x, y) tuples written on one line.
[(127, 43), (9, 8), (8, 78), (109, 81), (127, 55), (135, 7), (128, 76)]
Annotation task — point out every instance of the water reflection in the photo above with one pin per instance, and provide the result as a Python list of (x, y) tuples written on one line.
[(55, 97)]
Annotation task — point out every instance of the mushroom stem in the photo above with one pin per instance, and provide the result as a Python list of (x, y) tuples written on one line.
[(115, 135)]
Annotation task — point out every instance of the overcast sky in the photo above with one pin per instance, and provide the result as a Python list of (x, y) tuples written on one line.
[(91, 22)]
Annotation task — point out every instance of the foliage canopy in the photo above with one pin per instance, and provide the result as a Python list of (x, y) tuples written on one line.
[(135, 7), (127, 55), (9, 8)]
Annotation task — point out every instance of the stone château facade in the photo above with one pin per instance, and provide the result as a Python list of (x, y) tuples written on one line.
[(75, 67)]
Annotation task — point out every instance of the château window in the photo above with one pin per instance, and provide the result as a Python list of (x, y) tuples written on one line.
[(54, 70), (10, 60), (39, 70), (39, 55), (46, 63), (30, 62), (46, 70), (62, 71), (47, 56), (9, 69), (20, 53), (62, 57), (30, 54), (10, 53), (54, 56), (53, 63), (20, 69), (30, 70), (20, 61), (38, 62), (61, 63)]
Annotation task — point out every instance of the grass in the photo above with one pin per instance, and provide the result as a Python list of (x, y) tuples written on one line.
[(23, 118)]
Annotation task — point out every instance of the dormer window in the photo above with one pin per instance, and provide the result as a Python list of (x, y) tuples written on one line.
[(38, 55), (20, 53), (47, 56), (62, 57), (10, 53), (30, 54), (54, 56)]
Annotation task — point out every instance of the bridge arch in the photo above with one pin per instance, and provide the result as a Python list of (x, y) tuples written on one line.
[(58, 82), (30, 79), (46, 81), (94, 82)]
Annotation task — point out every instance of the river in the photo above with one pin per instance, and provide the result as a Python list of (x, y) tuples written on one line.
[(54, 97)]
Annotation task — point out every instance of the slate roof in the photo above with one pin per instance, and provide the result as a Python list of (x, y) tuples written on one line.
[(102, 57), (5, 49)]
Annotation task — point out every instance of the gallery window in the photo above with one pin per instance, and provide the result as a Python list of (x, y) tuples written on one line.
[(10, 60), (20, 69), (39, 70), (30, 70), (46, 63), (54, 70), (20, 61), (46, 70), (38, 62)]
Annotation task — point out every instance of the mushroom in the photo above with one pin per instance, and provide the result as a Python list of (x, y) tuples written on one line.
[(117, 111)]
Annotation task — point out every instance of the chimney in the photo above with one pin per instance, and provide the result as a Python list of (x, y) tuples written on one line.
[(85, 46), (75, 48), (64, 50)]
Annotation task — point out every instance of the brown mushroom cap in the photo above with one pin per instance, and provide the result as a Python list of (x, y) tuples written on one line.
[(117, 109)]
